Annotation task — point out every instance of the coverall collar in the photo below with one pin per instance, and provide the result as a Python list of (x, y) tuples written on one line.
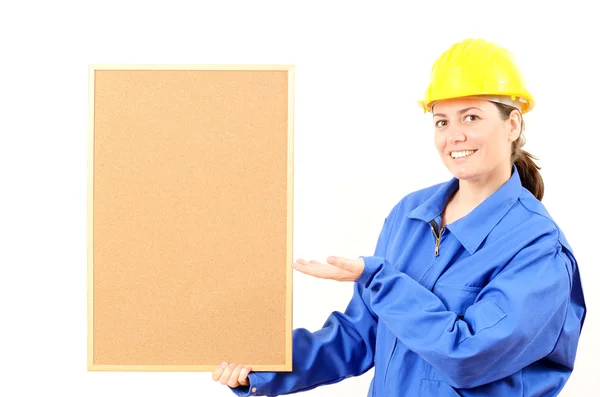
[(474, 227)]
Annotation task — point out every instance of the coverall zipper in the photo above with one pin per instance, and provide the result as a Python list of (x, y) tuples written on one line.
[(438, 236)]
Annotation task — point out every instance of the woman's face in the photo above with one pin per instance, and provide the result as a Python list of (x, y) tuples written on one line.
[(473, 140)]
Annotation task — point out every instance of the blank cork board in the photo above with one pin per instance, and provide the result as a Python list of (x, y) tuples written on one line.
[(190, 188)]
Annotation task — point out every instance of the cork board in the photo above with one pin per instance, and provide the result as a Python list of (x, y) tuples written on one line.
[(190, 189)]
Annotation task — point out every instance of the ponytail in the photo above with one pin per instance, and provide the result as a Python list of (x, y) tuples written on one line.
[(528, 170)]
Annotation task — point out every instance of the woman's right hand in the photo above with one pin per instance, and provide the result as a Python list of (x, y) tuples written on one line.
[(232, 375)]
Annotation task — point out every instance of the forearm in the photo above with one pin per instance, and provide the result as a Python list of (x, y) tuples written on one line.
[(489, 343), (343, 347)]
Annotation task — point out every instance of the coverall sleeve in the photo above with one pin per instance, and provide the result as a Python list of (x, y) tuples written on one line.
[(515, 320), (343, 347)]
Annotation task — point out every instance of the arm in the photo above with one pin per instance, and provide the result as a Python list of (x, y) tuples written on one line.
[(515, 320), (344, 347)]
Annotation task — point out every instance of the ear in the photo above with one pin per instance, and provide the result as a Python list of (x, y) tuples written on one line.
[(514, 124)]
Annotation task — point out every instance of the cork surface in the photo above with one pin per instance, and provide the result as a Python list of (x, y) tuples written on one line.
[(190, 219)]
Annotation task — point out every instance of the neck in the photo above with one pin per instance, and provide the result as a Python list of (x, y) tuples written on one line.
[(473, 192)]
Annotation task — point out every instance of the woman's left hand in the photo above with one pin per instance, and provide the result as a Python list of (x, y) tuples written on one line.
[(336, 268)]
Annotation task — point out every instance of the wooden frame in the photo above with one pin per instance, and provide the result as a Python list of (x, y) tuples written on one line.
[(97, 364)]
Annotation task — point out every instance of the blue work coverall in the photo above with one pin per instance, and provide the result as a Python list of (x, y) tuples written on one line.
[(491, 305)]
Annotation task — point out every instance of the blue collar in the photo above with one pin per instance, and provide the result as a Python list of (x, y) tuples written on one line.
[(474, 227)]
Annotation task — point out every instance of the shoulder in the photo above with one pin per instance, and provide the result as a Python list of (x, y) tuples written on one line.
[(414, 199), (532, 214), (418, 197)]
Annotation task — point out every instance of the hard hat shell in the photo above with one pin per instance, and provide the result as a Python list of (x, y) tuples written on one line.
[(476, 67)]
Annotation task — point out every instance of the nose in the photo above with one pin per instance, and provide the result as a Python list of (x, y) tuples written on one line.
[(455, 134)]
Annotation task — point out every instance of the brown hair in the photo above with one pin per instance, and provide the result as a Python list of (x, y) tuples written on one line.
[(528, 170)]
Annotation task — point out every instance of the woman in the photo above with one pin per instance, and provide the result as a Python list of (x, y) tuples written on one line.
[(473, 289)]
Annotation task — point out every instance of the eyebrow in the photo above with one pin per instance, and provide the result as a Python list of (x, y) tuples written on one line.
[(460, 111)]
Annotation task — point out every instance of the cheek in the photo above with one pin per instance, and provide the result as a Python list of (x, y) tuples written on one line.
[(498, 146), (440, 142)]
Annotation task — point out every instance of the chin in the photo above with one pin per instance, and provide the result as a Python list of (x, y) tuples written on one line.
[(463, 173)]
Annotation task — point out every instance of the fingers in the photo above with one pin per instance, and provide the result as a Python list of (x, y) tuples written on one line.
[(342, 263), (337, 261), (216, 375), (224, 379), (336, 268), (233, 378), (315, 269), (232, 375), (355, 266), (243, 378)]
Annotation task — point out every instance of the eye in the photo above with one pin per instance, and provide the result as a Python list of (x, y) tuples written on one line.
[(471, 117), (441, 123)]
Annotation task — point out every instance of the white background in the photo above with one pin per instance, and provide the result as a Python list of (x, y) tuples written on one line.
[(361, 143)]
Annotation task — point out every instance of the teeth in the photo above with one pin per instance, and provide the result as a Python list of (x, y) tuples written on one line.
[(464, 153)]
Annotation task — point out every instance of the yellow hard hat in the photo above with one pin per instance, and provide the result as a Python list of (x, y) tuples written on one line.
[(476, 67)]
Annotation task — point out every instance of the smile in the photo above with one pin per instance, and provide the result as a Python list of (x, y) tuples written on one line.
[(464, 153)]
